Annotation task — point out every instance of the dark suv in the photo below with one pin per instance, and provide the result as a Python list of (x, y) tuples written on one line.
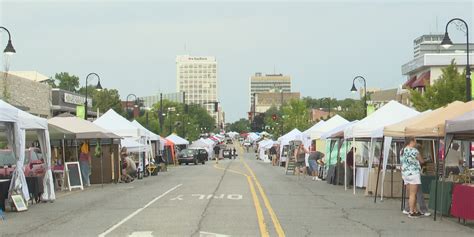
[(192, 156), (33, 165)]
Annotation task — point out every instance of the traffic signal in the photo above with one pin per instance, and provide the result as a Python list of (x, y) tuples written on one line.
[(274, 117)]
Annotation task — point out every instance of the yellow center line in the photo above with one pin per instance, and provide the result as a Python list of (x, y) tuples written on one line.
[(258, 208), (276, 222)]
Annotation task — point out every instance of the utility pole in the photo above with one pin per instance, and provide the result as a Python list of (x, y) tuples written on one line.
[(185, 114), (160, 115)]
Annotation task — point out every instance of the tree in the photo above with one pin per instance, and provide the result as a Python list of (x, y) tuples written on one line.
[(240, 126), (106, 99), (449, 87), (295, 115), (65, 81)]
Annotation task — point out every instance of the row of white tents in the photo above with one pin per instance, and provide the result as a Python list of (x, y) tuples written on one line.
[(17, 126), (389, 122)]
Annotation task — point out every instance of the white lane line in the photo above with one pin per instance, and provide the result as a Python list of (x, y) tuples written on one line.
[(137, 211)]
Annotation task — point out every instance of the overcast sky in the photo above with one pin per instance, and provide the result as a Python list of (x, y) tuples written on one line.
[(322, 45)]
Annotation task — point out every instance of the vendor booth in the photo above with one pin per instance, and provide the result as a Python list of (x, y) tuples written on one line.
[(114, 122), (178, 141), (371, 129), (103, 144), (284, 141), (462, 129), (263, 147), (15, 124)]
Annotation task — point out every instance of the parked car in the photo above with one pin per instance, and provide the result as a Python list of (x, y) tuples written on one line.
[(201, 154), (33, 165), (192, 156), (227, 153)]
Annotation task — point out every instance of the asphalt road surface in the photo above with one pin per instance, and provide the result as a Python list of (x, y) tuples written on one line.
[(242, 197)]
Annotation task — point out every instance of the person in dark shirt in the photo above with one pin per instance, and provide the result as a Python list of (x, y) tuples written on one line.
[(350, 165)]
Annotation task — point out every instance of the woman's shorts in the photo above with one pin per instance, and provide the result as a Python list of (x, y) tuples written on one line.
[(313, 165), (300, 164), (412, 179)]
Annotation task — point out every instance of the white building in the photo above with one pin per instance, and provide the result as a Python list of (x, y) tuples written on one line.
[(429, 60), (197, 77), (150, 100)]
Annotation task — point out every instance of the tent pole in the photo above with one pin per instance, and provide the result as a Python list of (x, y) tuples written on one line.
[(378, 171), (338, 170), (345, 167), (101, 165), (64, 164), (391, 169), (354, 166)]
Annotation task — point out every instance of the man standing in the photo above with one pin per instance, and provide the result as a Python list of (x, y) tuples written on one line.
[(314, 157), (234, 153)]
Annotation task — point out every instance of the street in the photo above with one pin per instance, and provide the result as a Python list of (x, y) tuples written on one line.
[(242, 197)]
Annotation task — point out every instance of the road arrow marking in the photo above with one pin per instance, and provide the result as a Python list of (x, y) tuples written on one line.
[(209, 234), (179, 198), (141, 234)]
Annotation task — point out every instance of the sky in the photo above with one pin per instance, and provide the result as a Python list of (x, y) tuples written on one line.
[(133, 45)]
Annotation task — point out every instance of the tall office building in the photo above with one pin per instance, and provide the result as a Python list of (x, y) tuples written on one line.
[(197, 77), (260, 83)]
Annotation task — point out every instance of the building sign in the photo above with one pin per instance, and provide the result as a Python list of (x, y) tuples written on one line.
[(76, 99)]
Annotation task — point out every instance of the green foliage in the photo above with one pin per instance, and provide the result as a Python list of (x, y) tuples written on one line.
[(242, 125), (295, 115), (187, 125), (106, 99), (65, 81), (449, 87)]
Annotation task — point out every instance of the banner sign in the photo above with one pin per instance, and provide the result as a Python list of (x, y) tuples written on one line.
[(76, 99), (80, 111), (370, 109)]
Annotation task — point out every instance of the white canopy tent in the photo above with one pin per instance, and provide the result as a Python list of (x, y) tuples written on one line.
[(262, 147), (133, 145), (338, 129), (334, 122), (208, 145), (16, 136), (151, 136), (284, 140), (252, 137), (372, 126), (117, 124), (314, 128), (177, 140)]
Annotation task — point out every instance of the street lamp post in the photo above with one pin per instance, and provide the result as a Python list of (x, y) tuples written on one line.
[(126, 107), (446, 43), (97, 87), (354, 89), (9, 48)]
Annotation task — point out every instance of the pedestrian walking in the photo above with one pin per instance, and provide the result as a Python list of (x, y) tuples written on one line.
[(411, 168), (216, 153), (85, 163), (273, 155)]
